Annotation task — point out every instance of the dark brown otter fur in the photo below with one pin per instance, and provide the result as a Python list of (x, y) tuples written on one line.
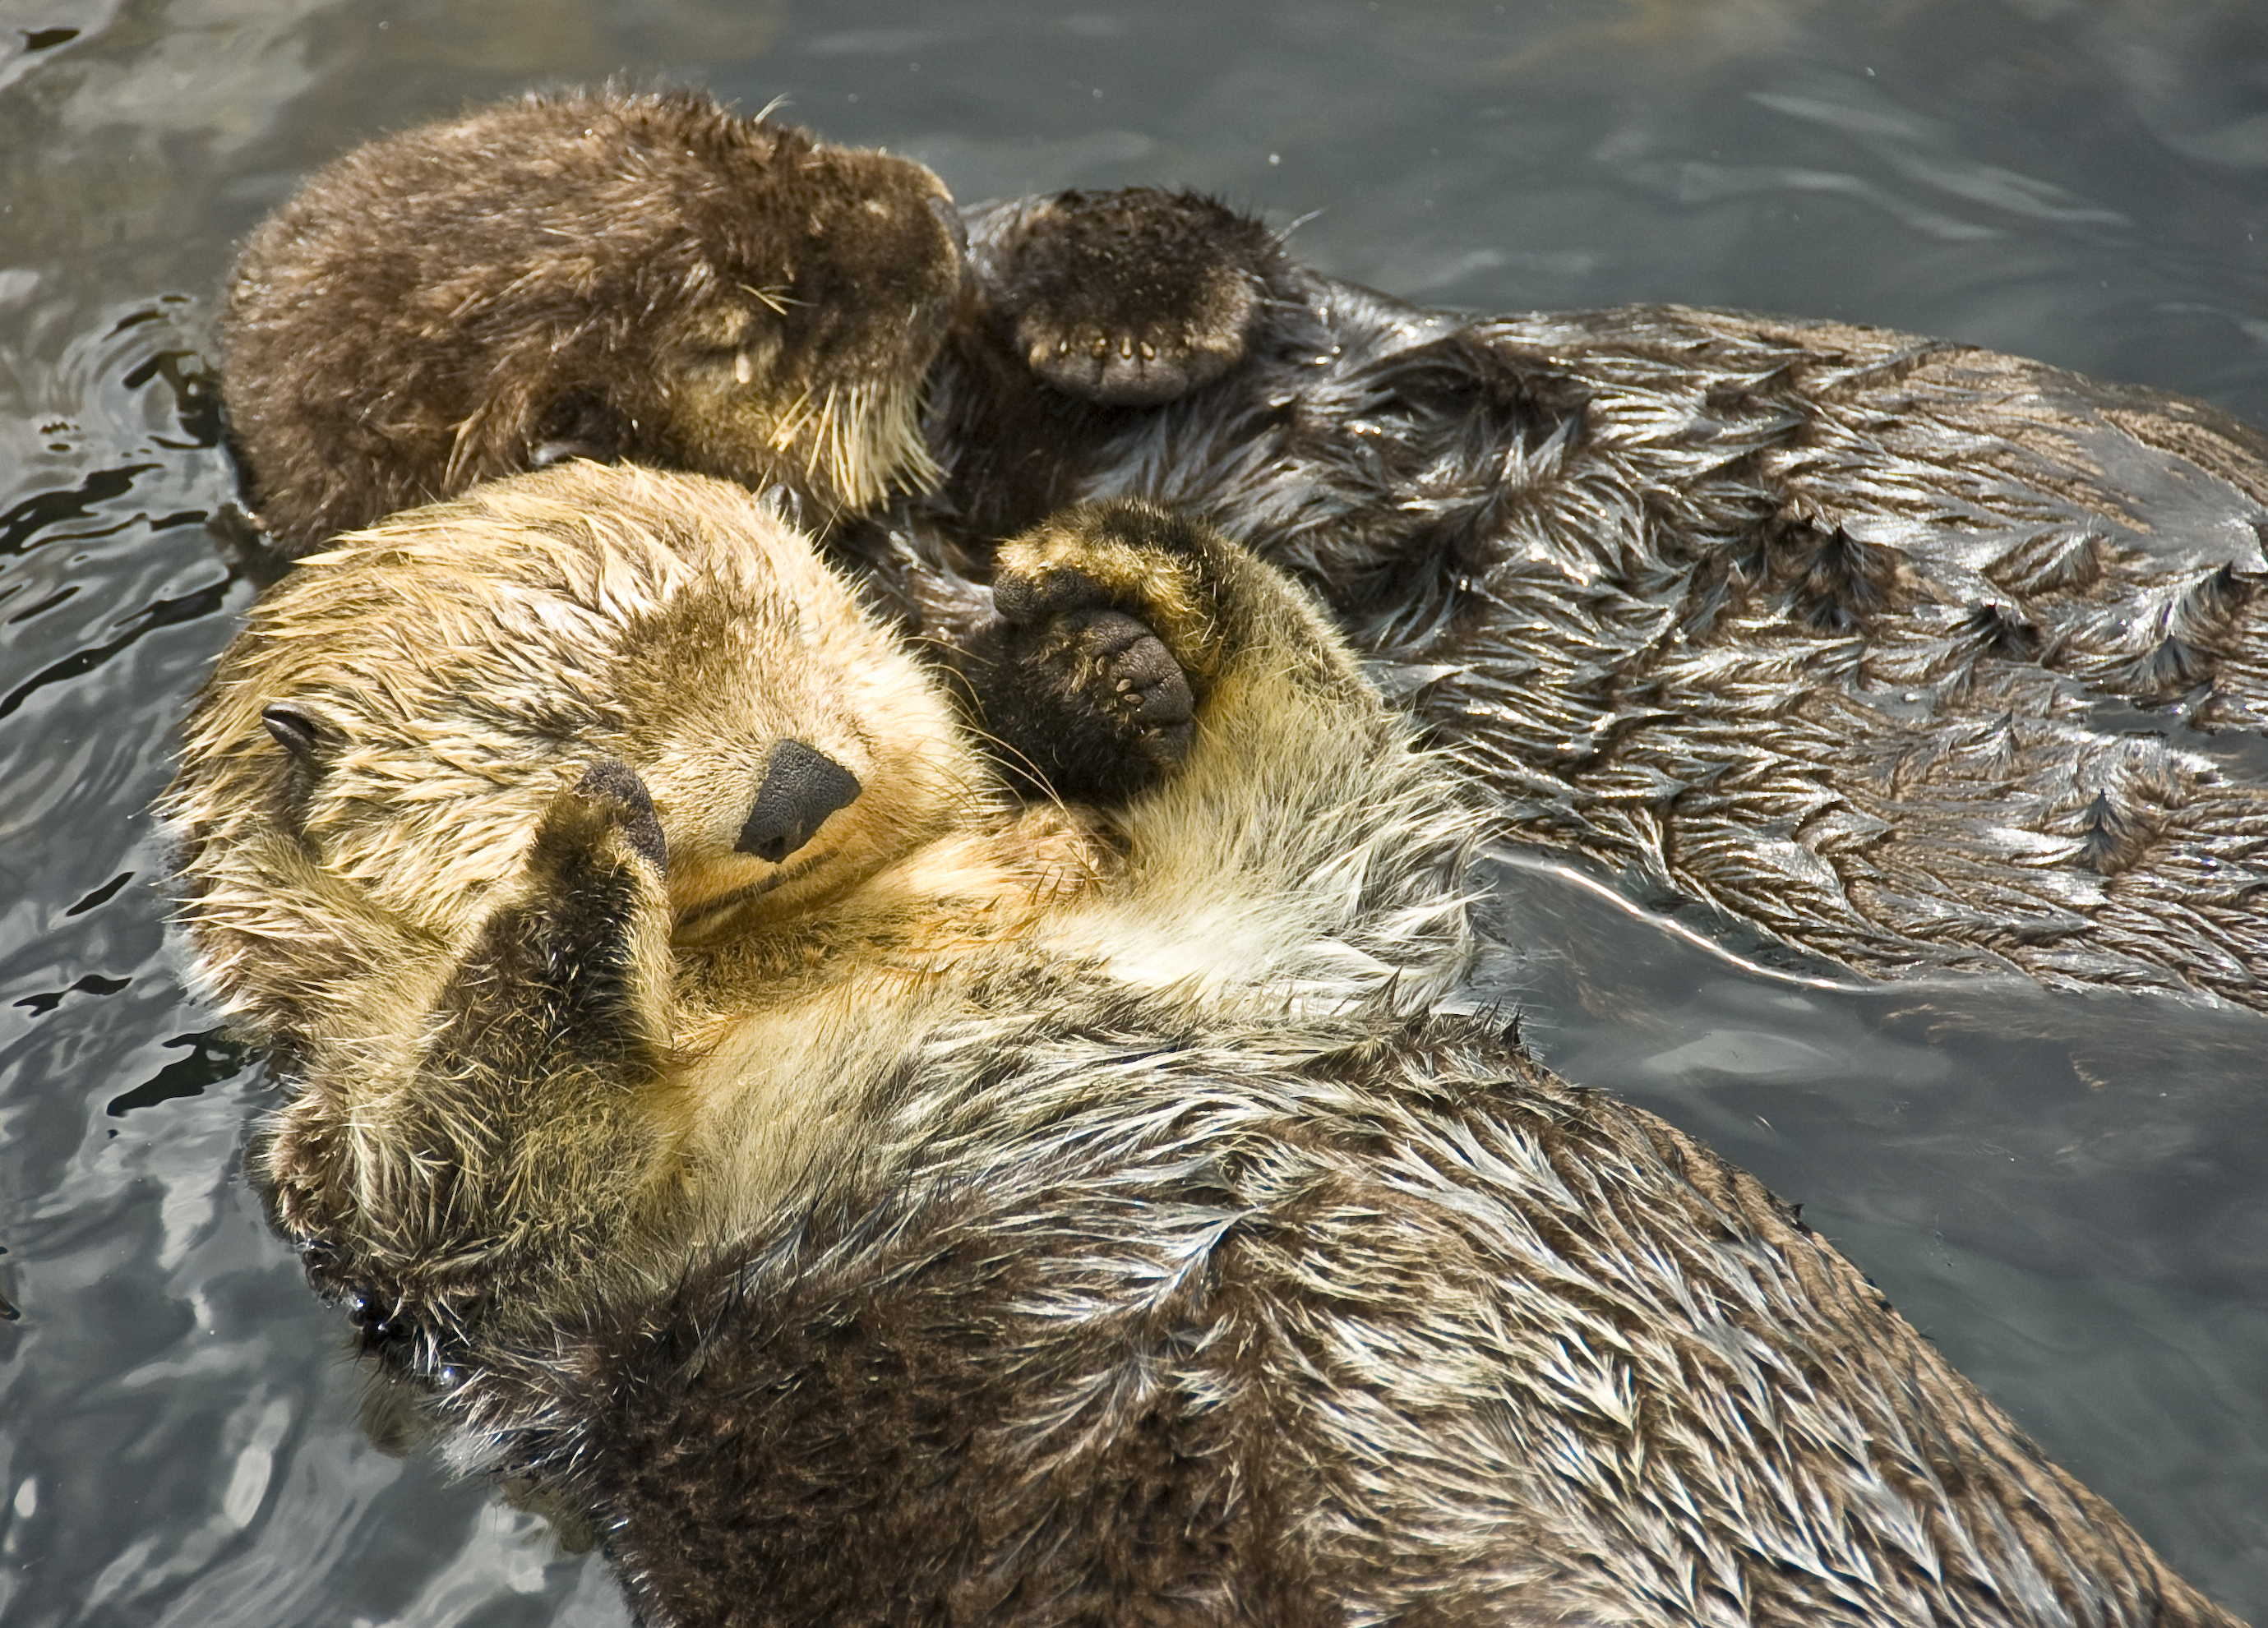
[(1913, 657), (1357, 1327), (647, 277)]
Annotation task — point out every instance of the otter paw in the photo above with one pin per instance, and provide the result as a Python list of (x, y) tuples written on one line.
[(1157, 566), (1120, 706), (1134, 299), (608, 809), (1083, 696), (1115, 621)]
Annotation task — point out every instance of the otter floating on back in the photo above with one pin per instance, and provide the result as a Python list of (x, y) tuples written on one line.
[(1912, 657), (872, 1202), (1916, 657)]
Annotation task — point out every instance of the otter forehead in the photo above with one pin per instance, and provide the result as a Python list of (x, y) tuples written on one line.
[(645, 168), (577, 599)]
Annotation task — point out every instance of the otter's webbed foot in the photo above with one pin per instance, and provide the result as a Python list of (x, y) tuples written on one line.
[(1131, 298)]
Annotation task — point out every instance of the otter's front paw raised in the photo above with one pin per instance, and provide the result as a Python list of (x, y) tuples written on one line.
[(1106, 639), (605, 818), (1133, 299), (1097, 704)]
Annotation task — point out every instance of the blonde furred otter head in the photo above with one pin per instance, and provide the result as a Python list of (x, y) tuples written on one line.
[(371, 758)]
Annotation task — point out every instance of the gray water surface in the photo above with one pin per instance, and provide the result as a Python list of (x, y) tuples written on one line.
[(2069, 1193)]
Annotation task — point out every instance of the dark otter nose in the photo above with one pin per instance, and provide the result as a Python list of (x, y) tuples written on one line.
[(801, 788)]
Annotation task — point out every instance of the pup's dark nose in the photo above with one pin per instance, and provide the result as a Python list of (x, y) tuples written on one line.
[(801, 788)]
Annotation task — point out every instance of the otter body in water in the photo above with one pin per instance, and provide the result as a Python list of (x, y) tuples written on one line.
[(1916, 657), (1912, 657), (871, 1201)]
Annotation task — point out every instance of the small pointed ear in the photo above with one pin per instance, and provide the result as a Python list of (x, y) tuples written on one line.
[(296, 731)]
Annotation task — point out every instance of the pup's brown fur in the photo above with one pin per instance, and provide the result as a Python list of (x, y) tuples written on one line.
[(1026, 1218), (645, 277)]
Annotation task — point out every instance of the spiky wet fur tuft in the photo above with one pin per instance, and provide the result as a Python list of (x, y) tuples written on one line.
[(863, 441)]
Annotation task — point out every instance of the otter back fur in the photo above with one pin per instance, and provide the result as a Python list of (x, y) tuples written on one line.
[(1329, 1324), (1041, 1217), (647, 277)]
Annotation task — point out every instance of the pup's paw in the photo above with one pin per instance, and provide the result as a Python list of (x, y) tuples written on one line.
[(1134, 299)]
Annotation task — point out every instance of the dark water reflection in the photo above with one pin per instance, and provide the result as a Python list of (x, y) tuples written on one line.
[(2070, 1194)]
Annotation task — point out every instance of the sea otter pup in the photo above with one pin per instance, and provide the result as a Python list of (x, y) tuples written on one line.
[(657, 279), (874, 1203)]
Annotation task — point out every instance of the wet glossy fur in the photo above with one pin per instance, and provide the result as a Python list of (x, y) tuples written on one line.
[(1914, 657), (1043, 1217), (1318, 1324)]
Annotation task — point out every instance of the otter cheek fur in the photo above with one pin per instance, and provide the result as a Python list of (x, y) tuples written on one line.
[(650, 278), (1045, 1215)]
